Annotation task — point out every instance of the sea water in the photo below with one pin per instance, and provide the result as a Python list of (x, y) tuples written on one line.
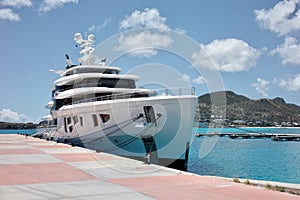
[(259, 159), (17, 131)]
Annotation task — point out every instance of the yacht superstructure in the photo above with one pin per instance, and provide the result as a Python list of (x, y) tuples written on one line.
[(96, 107)]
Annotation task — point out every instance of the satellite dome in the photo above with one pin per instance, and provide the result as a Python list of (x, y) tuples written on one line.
[(91, 38), (78, 37)]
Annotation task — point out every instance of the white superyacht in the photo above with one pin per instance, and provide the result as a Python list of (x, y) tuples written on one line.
[(96, 107)]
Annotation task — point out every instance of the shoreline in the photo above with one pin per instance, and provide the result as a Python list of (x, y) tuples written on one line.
[(271, 127), (292, 188)]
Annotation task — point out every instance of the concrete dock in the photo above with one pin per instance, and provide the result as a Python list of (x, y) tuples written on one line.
[(32, 168)]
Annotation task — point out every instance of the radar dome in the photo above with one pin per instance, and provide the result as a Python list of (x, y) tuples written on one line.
[(78, 37), (91, 38)]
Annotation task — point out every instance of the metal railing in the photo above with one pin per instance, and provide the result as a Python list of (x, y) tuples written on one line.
[(178, 91)]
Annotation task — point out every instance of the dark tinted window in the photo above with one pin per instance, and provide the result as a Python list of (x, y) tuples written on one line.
[(117, 83)]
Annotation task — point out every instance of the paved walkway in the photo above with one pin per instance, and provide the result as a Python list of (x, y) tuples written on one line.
[(37, 169)]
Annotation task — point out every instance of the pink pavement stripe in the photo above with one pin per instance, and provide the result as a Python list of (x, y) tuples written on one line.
[(18, 174), (21, 151), (195, 187), (51, 146), (83, 157)]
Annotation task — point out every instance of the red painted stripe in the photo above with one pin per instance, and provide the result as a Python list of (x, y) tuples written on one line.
[(195, 187), (41, 173), (51, 146), (20, 151)]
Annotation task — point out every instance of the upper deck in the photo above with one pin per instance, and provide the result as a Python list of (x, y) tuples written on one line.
[(78, 69), (97, 79)]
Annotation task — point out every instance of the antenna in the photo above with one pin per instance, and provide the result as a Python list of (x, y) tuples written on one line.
[(68, 61)]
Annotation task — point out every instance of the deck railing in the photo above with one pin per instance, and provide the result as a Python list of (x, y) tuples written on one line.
[(179, 91)]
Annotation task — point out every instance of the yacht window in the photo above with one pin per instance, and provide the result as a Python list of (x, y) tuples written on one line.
[(95, 119), (86, 70), (117, 83), (70, 129), (69, 120), (53, 122), (63, 88), (75, 119), (90, 82), (110, 71), (104, 117), (58, 103), (125, 83), (65, 123), (81, 121)]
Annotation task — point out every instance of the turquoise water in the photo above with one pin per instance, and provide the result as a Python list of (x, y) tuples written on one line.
[(16, 131), (260, 159)]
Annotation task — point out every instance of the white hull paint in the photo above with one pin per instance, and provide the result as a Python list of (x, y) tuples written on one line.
[(123, 133)]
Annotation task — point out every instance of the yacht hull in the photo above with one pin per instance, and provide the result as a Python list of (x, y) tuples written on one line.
[(154, 129)]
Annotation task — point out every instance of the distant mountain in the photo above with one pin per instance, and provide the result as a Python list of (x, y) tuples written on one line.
[(239, 107)]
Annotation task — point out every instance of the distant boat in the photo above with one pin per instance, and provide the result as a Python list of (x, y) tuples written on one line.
[(94, 106)]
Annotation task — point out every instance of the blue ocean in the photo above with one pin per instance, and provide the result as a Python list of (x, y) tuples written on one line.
[(18, 131), (259, 159)]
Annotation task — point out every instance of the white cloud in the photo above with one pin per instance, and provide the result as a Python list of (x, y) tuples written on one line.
[(94, 28), (261, 86), (289, 51), (200, 80), (228, 55), (180, 30), (16, 3), (143, 43), (48, 5), (283, 18), (9, 14), (186, 78), (289, 84), (6, 115), (149, 18)]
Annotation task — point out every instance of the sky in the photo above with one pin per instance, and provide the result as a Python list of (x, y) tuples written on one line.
[(251, 47)]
